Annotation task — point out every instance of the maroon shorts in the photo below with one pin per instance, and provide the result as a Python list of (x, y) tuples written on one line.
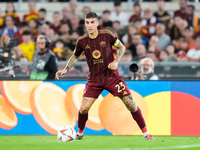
[(117, 87)]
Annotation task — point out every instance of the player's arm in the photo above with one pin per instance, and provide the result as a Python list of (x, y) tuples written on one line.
[(72, 61), (121, 50)]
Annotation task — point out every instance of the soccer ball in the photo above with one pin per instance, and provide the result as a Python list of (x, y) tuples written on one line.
[(66, 133)]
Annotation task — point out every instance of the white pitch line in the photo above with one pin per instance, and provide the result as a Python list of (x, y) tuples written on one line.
[(153, 148)]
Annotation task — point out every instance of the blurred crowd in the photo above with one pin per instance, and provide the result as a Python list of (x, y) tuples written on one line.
[(146, 33)]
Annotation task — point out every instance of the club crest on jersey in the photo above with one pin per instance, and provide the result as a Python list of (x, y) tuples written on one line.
[(96, 54), (103, 43)]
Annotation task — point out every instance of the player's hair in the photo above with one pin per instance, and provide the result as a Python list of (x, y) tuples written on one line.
[(91, 15)]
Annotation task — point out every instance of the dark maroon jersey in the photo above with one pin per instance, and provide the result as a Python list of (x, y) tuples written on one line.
[(99, 54)]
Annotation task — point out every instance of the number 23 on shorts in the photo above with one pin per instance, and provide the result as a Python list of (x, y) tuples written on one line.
[(120, 87)]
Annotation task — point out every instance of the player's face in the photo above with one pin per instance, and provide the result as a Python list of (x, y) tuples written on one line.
[(41, 45), (91, 25)]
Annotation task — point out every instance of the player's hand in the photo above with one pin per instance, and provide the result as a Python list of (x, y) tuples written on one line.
[(113, 65), (60, 73)]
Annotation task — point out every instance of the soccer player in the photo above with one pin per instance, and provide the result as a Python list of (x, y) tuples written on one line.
[(103, 73)]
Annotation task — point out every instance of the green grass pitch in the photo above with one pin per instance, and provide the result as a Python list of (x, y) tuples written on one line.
[(99, 143)]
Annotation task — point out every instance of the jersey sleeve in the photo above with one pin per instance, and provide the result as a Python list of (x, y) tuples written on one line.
[(78, 50), (114, 40)]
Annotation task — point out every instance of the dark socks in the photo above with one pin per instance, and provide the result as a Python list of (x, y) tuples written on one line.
[(82, 118)]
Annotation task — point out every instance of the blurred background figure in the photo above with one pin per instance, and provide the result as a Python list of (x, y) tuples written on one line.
[(27, 47), (10, 27), (10, 11), (44, 61), (137, 12), (194, 54), (32, 13), (106, 19), (56, 24), (163, 38), (163, 16), (119, 15), (66, 16), (146, 70), (148, 23), (42, 17)]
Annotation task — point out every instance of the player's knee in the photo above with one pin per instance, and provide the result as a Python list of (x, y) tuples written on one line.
[(84, 110)]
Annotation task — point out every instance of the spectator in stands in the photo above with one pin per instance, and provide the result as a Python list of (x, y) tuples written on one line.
[(163, 55), (182, 44), (42, 17), (10, 27), (33, 13), (75, 24), (58, 49), (119, 15), (194, 54), (5, 40), (56, 23), (73, 8), (73, 38), (146, 70), (64, 29), (116, 27), (181, 56), (10, 11), (51, 35), (44, 28), (85, 10), (66, 16), (65, 33), (192, 18), (136, 39), (153, 45), (18, 34), (44, 61), (137, 12), (106, 19), (148, 23), (161, 14), (33, 26), (100, 26), (127, 38), (182, 12), (27, 47), (152, 55), (188, 34), (164, 39), (175, 32), (1, 18), (141, 52), (171, 49)]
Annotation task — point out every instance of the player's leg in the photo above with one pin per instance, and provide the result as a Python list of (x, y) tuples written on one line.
[(137, 115), (119, 88), (83, 115), (91, 93)]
